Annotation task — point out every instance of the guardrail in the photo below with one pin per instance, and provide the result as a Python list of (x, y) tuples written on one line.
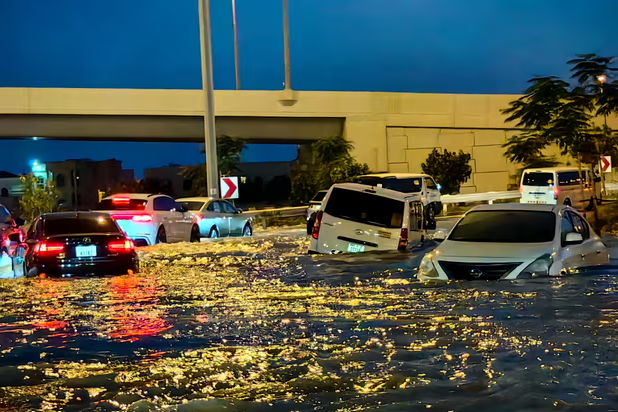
[(282, 212)]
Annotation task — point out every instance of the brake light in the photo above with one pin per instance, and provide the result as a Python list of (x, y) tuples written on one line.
[(121, 200), (45, 248), (316, 226), (140, 218), (120, 246), (403, 239), (556, 192), (521, 189)]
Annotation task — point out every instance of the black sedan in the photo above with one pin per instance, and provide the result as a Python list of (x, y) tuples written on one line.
[(78, 243)]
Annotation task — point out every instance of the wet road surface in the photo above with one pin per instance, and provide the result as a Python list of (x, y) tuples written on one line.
[(255, 324)]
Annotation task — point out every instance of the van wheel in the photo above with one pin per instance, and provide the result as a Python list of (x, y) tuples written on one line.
[(567, 202), (161, 235)]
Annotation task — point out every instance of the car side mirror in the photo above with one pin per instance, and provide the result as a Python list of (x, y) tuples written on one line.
[(573, 238), (15, 237), (182, 209), (20, 222), (439, 236), (239, 211)]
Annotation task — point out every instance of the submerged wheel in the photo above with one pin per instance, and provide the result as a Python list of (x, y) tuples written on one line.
[(161, 235), (214, 233), (195, 234)]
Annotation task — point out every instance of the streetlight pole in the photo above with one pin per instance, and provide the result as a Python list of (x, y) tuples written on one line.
[(286, 45), (210, 134), (236, 60)]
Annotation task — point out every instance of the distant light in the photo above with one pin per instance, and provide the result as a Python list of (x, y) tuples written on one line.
[(602, 78), (35, 138), (35, 163)]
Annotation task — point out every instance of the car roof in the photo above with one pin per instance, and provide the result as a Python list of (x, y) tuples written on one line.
[(195, 199), (74, 215), (553, 169), (396, 175), (379, 191), (521, 207), (138, 196)]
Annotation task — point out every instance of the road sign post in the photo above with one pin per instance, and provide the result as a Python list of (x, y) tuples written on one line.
[(229, 187)]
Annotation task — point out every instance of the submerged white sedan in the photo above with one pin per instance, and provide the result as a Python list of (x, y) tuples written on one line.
[(514, 241), (217, 218)]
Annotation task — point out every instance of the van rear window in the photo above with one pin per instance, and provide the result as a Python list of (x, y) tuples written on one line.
[(365, 208), (538, 179)]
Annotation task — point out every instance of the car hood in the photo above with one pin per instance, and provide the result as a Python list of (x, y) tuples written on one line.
[(450, 248)]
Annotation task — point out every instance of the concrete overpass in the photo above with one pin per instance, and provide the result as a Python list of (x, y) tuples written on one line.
[(390, 131)]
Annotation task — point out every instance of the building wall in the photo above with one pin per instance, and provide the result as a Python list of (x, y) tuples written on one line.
[(172, 174)]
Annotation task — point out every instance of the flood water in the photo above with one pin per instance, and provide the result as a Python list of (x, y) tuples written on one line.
[(252, 325)]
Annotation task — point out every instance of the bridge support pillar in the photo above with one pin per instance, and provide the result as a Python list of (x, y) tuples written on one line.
[(368, 135)]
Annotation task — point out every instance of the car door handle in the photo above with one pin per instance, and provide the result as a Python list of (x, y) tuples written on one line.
[(583, 255)]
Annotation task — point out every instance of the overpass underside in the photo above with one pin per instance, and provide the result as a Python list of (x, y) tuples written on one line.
[(190, 129)]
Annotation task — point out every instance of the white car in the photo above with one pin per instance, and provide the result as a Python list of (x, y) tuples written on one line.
[(515, 241), (357, 218), (422, 186), (217, 218), (149, 219)]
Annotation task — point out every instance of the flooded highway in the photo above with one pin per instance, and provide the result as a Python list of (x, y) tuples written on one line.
[(257, 325)]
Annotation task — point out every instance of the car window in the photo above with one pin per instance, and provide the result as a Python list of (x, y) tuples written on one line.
[(163, 203), (215, 207), (505, 226), (319, 197), (122, 204), (566, 226), (365, 208), (568, 178), (228, 208), (580, 225), (431, 184), (80, 225), (193, 206), (538, 179), (4, 214)]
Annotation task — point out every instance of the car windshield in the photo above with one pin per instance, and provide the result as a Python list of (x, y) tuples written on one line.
[(192, 206), (506, 226), (538, 179), (319, 197), (122, 204), (79, 225), (410, 185), (365, 208)]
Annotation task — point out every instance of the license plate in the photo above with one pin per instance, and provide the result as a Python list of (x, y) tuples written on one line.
[(354, 248), (538, 202), (86, 251)]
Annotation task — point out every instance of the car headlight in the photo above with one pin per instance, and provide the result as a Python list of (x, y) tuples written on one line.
[(537, 269), (427, 268)]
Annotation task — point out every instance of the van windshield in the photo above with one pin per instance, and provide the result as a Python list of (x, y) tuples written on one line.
[(365, 208), (538, 179)]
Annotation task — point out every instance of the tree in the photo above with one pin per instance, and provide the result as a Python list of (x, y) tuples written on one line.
[(334, 164), (554, 112), (450, 169), (229, 150), (38, 197), (147, 185)]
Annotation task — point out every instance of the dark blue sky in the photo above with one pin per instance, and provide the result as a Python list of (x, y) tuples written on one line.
[(438, 46)]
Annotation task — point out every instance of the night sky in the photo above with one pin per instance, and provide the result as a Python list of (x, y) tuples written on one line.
[(437, 46)]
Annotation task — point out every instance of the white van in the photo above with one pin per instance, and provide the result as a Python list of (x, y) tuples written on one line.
[(355, 218), (413, 184), (558, 186)]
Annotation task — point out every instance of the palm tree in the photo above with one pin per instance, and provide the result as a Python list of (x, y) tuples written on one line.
[(330, 149)]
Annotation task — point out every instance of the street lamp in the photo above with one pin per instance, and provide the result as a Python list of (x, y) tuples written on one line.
[(286, 45), (210, 134), (236, 61)]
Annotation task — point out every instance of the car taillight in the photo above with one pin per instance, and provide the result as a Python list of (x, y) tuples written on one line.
[(121, 200), (316, 226), (521, 189), (120, 246), (403, 239), (45, 248), (140, 218), (556, 192)]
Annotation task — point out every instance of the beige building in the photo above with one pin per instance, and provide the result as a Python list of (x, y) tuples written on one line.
[(390, 131)]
